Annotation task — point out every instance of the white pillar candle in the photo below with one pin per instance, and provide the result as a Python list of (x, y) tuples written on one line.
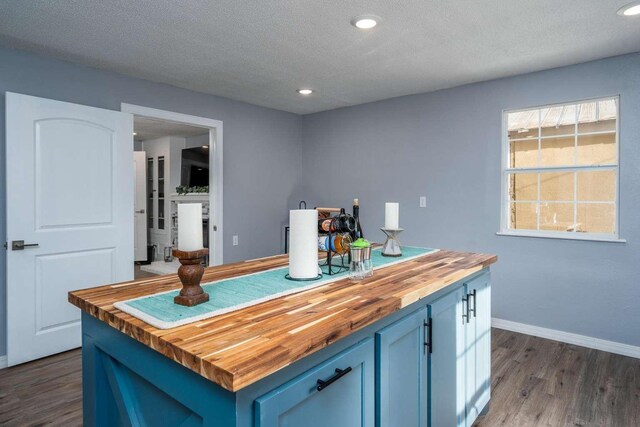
[(391, 216), (303, 243), (190, 226)]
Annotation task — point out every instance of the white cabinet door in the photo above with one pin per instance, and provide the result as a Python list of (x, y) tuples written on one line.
[(70, 192)]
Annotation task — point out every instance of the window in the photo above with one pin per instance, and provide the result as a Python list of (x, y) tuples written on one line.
[(560, 173)]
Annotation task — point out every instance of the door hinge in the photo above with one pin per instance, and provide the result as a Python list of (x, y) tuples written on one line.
[(428, 340), (6, 245)]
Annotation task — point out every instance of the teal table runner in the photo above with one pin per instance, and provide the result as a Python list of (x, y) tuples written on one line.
[(236, 293)]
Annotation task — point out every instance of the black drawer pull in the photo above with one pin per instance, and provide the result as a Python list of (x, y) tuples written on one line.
[(428, 343), (339, 373), (473, 294)]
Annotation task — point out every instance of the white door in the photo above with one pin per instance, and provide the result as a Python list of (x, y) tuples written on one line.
[(69, 199), (140, 202)]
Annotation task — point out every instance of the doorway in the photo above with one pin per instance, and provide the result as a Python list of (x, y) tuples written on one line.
[(177, 159)]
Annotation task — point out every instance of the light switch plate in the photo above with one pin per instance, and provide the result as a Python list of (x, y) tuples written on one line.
[(235, 240), (423, 201)]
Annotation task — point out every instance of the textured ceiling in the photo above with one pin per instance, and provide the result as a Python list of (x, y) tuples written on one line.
[(262, 51), (147, 128)]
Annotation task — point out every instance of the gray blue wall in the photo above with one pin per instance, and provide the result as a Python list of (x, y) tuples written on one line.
[(446, 145), (443, 145), (261, 146)]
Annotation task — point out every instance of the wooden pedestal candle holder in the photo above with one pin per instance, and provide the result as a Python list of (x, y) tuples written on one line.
[(190, 274)]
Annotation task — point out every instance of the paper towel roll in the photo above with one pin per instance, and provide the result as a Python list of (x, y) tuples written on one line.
[(303, 243)]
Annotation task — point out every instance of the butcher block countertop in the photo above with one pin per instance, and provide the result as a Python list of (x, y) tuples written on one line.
[(239, 348)]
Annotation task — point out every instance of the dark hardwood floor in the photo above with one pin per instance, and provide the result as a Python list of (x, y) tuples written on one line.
[(139, 274), (536, 382), (45, 392), (539, 382)]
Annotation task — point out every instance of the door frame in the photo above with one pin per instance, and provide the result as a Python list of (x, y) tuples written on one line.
[(215, 159)]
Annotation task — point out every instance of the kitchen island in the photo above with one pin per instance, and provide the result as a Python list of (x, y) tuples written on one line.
[(409, 346)]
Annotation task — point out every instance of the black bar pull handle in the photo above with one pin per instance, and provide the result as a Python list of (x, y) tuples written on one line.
[(339, 374), (428, 342), (465, 310), (473, 294)]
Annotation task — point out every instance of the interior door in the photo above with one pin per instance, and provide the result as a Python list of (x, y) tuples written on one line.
[(140, 201), (69, 222)]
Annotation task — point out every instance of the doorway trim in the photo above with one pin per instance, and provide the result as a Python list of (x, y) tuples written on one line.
[(215, 158)]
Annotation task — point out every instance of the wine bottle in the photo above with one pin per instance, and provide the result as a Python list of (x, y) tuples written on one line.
[(356, 215)]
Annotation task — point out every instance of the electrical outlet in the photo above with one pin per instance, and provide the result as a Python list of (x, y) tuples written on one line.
[(235, 240), (423, 201)]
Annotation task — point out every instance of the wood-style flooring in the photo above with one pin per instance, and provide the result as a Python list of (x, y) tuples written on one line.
[(539, 382), (536, 382), (140, 274)]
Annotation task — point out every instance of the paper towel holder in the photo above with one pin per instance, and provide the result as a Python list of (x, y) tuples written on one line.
[(288, 277), (303, 205)]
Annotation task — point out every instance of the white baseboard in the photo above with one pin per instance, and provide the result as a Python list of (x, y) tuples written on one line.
[(3, 362), (567, 337)]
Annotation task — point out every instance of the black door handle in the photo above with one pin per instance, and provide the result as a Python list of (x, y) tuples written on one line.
[(339, 374), (19, 245)]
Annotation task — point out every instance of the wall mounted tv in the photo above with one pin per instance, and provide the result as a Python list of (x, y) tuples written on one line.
[(195, 167)]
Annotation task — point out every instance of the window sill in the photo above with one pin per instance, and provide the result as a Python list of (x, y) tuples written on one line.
[(589, 238)]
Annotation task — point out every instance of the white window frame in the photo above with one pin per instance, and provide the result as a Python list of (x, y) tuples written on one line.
[(506, 171)]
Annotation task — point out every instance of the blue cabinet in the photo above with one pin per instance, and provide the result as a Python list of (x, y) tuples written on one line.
[(477, 346), (433, 366), (447, 360), (425, 365), (339, 393), (402, 372), (461, 322)]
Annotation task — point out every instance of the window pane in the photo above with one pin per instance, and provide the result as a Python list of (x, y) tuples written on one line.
[(597, 116), (596, 186), (558, 120), (596, 217), (523, 154), (548, 140), (556, 216), (523, 186), (523, 216), (161, 167), (557, 186), (597, 149), (557, 151), (523, 124)]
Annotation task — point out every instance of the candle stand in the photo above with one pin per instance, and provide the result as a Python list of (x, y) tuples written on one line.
[(190, 274), (391, 246)]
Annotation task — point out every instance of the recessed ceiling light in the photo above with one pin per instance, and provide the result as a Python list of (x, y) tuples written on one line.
[(631, 9), (365, 22), (135, 133), (305, 91)]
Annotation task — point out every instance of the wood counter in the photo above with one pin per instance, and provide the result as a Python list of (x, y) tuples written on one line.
[(237, 349)]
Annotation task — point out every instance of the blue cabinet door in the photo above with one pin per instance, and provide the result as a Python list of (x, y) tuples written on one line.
[(447, 360), (401, 373), (478, 346), (345, 398)]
